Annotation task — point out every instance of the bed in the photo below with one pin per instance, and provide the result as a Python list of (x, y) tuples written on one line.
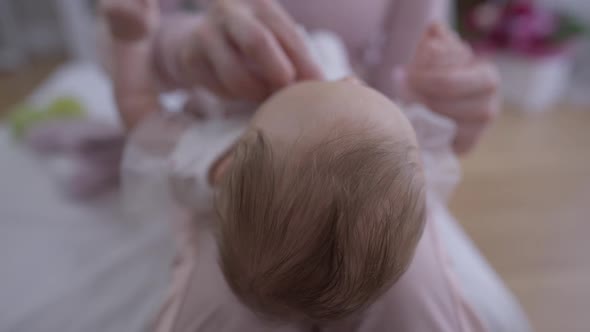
[(73, 265)]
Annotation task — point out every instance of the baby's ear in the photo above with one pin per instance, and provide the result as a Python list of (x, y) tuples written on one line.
[(130, 20)]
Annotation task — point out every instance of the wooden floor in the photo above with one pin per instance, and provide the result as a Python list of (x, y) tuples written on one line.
[(525, 200)]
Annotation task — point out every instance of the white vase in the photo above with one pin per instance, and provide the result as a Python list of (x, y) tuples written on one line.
[(534, 84)]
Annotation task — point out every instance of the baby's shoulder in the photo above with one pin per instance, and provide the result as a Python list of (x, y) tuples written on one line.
[(200, 298)]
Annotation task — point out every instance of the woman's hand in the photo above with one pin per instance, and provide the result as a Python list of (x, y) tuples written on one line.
[(130, 20), (132, 25), (450, 80), (245, 49)]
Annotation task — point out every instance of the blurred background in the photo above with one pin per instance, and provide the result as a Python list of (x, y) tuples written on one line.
[(526, 191), (525, 197)]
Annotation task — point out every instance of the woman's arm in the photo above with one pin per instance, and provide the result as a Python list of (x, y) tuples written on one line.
[(403, 27), (449, 79), (465, 91), (127, 44)]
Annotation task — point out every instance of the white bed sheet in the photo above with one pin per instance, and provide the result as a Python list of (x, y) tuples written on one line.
[(74, 265)]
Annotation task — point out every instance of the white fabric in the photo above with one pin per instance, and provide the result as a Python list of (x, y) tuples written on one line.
[(69, 265), (90, 85), (84, 81), (493, 302), (330, 53), (73, 266), (165, 173), (435, 135), (192, 162)]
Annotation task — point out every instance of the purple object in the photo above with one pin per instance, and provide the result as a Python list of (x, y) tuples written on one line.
[(84, 155), (520, 26)]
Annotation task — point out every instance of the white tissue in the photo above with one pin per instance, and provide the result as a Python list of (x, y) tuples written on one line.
[(435, 134)]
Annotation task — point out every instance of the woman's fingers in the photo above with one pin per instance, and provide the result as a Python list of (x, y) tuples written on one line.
[(210, 80), (468, 135), (130, 19), (247, 50), (290, 38), (230, 69), (135, 89), (261, 48), (474, 79), (441, 47), (446, 77), (477, 108), (200, 70), (471, 114)]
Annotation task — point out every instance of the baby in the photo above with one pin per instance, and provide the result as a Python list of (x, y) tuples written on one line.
[(321, 202), (321, 206)]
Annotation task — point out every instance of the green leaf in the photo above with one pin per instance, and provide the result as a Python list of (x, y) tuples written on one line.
[(24, 117), (66, 107), (569, 28)]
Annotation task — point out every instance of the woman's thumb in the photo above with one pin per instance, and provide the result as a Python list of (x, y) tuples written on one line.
[(130, 20), (441, 47)]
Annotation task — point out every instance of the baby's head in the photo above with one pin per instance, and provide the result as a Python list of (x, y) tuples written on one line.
[(322, 204)]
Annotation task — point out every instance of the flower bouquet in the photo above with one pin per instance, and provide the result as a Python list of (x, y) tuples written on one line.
[(532, 45)]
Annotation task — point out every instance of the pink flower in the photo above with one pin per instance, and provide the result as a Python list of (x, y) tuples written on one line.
[(529, 26), (519, 26)]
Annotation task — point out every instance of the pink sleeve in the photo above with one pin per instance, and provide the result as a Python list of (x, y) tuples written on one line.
[(403, 28)]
